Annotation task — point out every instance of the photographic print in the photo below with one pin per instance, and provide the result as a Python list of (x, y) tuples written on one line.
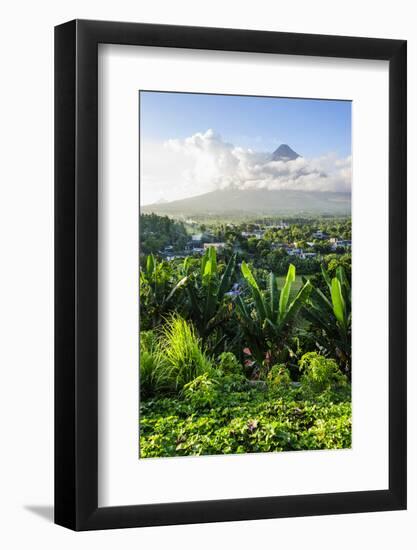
[(245, 274)]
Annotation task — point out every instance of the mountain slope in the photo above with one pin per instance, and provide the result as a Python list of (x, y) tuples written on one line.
[(259, 201)]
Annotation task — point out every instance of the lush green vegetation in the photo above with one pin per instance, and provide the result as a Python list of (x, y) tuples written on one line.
[(235, 356), (156, 232), (249, 420)]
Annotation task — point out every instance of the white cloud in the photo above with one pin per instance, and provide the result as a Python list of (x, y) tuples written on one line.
[(204, 162)]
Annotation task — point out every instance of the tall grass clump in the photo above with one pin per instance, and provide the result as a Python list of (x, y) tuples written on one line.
[(174, 359), (182, 358)]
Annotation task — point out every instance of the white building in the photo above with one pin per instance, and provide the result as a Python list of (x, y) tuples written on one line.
[(340, 243), (299, 253)]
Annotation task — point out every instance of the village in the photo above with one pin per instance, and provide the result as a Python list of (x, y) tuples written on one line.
[(318, 242)]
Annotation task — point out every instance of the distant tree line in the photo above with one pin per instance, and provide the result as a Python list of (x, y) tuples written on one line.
[(157, 232)]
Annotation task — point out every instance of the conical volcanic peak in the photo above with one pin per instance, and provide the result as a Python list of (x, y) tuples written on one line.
[(284, 153)]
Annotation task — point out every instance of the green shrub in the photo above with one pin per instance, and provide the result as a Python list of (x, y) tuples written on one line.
[(278, 377), (320, 373), (228, 363), (232, 382), (201, 392)]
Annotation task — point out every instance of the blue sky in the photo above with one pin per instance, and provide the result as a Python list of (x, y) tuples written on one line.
[(192, 144), (311, 127)]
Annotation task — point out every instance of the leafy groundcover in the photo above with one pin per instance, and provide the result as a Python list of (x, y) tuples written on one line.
[(230, 416)]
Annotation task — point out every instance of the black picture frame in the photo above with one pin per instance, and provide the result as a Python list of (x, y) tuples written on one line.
[(76, 271)]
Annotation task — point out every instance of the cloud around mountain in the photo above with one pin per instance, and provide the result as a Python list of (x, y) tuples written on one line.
[(205, 162)]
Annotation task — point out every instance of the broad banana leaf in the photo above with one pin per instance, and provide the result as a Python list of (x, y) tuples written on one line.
[(338, 302), (256, 292), (226, 281), (273, 294), (180, 283), (300, 299), (150, 265), (326, 277), (285, 292)]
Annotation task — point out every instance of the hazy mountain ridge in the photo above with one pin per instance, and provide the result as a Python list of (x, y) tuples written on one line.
[(257, 201)]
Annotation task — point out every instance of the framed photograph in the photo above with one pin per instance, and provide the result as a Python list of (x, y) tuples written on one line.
[(230, 253)]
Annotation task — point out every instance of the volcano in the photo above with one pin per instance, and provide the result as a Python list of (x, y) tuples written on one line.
[(284, 153)]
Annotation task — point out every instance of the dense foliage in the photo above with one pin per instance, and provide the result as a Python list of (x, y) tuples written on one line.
[(156, 232), (237, 357), (227, 415)]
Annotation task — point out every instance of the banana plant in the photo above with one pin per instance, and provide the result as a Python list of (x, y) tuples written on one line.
[(206, 288), (330, 315), (158, 285), (268, 318)]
